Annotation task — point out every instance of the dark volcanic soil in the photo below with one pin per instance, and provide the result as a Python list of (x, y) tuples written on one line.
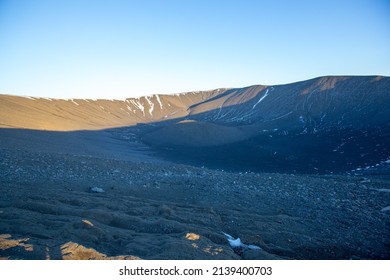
[(158, 210)]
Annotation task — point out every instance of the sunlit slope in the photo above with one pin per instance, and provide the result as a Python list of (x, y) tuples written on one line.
[(87, 114)]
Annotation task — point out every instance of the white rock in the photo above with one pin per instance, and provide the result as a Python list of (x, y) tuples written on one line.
[(386, 209), (96, 190)]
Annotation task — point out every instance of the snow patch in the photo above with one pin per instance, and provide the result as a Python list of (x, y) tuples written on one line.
[(385, 209), (159, 101), (261, 99), (151, 105), (96, 190), (139, 106), (236, 243), (282, 116), (372, 166)]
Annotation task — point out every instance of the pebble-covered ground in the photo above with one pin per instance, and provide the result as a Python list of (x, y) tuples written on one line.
[(160, 210)]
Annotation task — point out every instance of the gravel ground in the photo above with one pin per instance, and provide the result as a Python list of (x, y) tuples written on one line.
[(160, 210)]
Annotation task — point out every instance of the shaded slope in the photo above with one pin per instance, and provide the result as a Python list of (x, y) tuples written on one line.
[(328, 124), (195, 134), (316, 106)]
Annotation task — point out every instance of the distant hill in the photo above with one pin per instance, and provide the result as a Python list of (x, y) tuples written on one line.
[(91, 114), (326, 124)]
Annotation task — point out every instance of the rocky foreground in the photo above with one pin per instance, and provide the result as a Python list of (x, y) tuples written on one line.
[(161, 210)]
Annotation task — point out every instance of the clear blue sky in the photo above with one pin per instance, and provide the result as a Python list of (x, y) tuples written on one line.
[(116, 49)]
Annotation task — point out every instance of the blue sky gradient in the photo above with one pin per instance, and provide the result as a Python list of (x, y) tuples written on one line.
[(118, 49)]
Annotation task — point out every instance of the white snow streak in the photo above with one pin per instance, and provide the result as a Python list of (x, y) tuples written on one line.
[(151, 104), (285, 115), (75, 102), (261, 99), (159, 101), (138, 105)]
